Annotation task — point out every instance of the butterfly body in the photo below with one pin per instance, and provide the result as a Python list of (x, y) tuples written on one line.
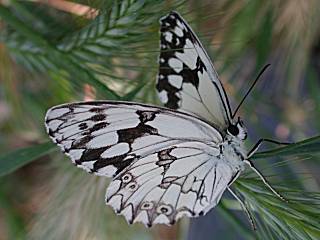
[(233, 153)]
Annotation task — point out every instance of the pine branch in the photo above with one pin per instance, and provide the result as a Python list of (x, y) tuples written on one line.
[(298, 219), (45, 49)]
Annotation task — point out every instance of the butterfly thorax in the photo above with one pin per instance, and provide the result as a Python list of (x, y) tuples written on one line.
[(232, 149)]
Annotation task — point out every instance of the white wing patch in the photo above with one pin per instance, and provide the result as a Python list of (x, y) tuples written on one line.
[(187, 79)]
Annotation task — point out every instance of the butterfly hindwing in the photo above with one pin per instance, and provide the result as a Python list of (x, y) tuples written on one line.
[(184, 179), (106, 137), (187, 79)]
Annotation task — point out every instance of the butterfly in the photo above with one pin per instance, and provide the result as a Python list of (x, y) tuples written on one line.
[(165, 162)]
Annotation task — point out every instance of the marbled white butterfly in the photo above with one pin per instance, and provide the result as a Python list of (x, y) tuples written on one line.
[(165, 162)]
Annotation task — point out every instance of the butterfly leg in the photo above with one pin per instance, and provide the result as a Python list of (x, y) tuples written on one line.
[(259, 143), (243, 207), (264, 180)]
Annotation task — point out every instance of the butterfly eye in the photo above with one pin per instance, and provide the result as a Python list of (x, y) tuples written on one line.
[(232, 129)]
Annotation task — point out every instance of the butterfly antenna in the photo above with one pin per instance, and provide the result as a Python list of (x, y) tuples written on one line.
[(250, 89)]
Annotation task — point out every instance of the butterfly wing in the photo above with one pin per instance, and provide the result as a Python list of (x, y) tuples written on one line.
[(185, 179), (187, 79), (106, 137), (165, 163)]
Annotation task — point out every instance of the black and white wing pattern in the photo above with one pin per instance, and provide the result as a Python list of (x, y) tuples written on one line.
[(164, 163), (184, 179), (187, 79)]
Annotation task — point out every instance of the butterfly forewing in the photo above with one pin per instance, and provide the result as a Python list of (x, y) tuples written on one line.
[(106, 137), (187, 79)]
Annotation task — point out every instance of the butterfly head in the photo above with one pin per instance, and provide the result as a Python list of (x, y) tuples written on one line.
[(237, 130)]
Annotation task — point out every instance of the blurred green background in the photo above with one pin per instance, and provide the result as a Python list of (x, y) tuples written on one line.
[(53, 52)]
